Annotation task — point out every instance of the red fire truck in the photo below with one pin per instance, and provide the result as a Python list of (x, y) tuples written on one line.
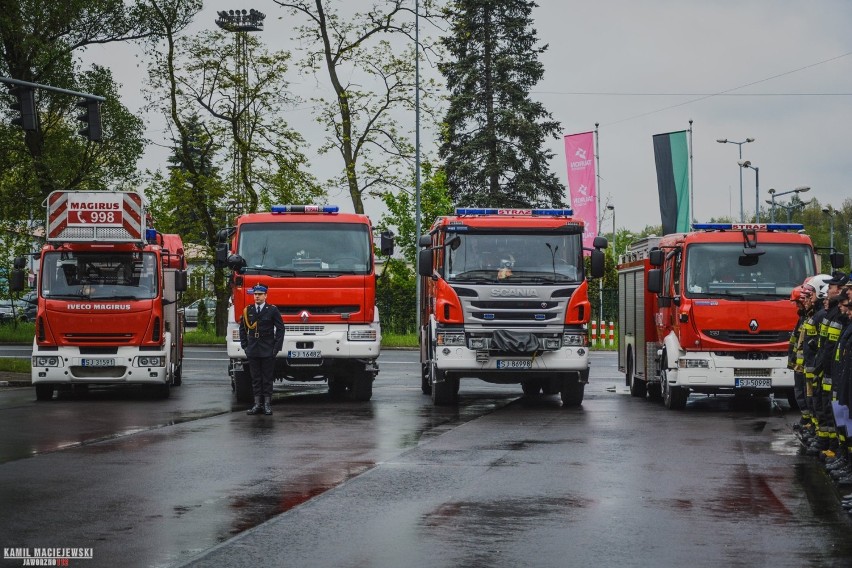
[(319, 267), (108, 291), (504, 299), (709, 312)]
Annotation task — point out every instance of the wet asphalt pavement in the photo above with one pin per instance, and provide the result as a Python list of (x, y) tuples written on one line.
[(503, 480)]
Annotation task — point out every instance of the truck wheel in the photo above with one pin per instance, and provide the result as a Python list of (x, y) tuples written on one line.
[(362, 387), (638, 387), (177, 377), (44, 392), (572, 393), (336, 388), (242, 384), (531, 388), (674, 398), (655, 391), (425, 385), (163, 391), (443, 390)]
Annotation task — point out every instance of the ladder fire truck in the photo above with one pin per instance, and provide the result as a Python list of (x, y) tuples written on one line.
[(319, 267), (504, 299), (108, 291), (708, 311)]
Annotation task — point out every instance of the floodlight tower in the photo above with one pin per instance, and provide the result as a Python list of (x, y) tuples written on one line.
[(240, 23)]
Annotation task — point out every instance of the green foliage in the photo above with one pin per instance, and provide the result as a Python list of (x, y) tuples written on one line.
[(434, 202), (16, 365), (17, 332), (493, 143), (396, 298)]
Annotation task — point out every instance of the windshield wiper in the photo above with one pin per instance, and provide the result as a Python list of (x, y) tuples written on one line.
[(262, 270)]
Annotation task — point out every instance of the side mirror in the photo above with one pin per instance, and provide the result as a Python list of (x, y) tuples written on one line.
[(656, 257), (600, 242), (425, 258), (838, 259), (425, 241), (598, 261), (221, 260), (235, 262), (16, 280), (655, 281), (181, 281), (387, 243)]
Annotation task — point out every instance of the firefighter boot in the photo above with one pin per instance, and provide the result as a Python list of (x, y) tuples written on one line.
[(818, 445), (267, 405), (256, 408)]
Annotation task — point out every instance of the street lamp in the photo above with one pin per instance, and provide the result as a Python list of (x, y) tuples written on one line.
[(747, 164), (772, 192), (740, 146), (612, 208), (790, 207), (830, 212)]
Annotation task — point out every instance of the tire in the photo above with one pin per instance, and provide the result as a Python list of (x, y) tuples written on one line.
[(791, 400), (44, 392), (177, 377), (336, 388), (638, 387), (655, 391), (242, 386), (531, 388), (362, 387), (674, 398), (572, 393), (443, 390), (163, 391), (425, 385)]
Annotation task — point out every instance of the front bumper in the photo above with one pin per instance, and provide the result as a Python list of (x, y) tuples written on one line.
[(69, 367), (722, 371), (462, 361), (331, 341)]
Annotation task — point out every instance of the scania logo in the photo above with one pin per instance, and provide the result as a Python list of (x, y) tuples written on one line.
[(752, 326), (514, 292), (304, 316)]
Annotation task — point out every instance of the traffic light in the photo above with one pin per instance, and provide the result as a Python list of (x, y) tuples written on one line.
[(25, 105), (91, 118)]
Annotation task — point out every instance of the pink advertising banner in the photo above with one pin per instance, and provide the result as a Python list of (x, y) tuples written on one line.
[(582, 182)]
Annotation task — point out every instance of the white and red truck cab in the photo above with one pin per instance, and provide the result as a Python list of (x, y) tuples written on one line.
[(108, 291), (319, 267), (708, 311), (504, 300)]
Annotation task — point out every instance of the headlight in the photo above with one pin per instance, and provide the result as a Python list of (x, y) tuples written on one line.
[(362, 334), (693, 363), (450, 338), (150, 361), (40, 361), (574, 339), (235, 335)]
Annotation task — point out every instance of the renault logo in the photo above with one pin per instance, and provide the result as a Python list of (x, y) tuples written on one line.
[(304, 316), (752, 326)]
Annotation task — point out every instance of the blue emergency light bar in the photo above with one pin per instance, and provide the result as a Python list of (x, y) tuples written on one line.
[(328, 209), (747, 226), (514, 212)]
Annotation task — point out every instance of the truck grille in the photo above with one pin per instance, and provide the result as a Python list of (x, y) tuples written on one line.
[(318, 310), (752, 373), (303, 328), (744, 337), (99, 337)]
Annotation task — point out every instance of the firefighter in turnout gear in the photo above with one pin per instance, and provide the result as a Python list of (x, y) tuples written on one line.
[(801, 296), (820, 433), (262, 338)]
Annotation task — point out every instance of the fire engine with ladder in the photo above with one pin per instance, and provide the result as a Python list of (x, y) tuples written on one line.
[(319, 267), (108, 291), (504, 299), (708, 311)]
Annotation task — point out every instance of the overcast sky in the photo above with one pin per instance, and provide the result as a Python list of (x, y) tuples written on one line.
[(778, 71)]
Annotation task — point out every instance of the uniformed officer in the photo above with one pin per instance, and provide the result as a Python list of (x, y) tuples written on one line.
[(261, 337)]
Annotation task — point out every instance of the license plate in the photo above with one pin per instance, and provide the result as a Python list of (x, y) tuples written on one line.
[(98, 362), (753, 383), (304, 354), (515, 364)]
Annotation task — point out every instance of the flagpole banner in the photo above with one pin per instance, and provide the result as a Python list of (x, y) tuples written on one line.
[(582, 181), (672, 159)]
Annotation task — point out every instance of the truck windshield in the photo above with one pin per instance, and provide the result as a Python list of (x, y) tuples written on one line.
[(520, 258), (297, 248), (719, 270), (99, 275)]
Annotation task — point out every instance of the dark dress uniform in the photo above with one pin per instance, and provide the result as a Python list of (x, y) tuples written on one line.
[(262, 337)]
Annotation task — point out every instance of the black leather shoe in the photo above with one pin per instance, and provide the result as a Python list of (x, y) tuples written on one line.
[(267, 406), (254, 409), (844, 481)]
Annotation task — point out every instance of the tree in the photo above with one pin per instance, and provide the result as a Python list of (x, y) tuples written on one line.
[(39, 41), (355, 51), (493, 141), (196, 92)]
